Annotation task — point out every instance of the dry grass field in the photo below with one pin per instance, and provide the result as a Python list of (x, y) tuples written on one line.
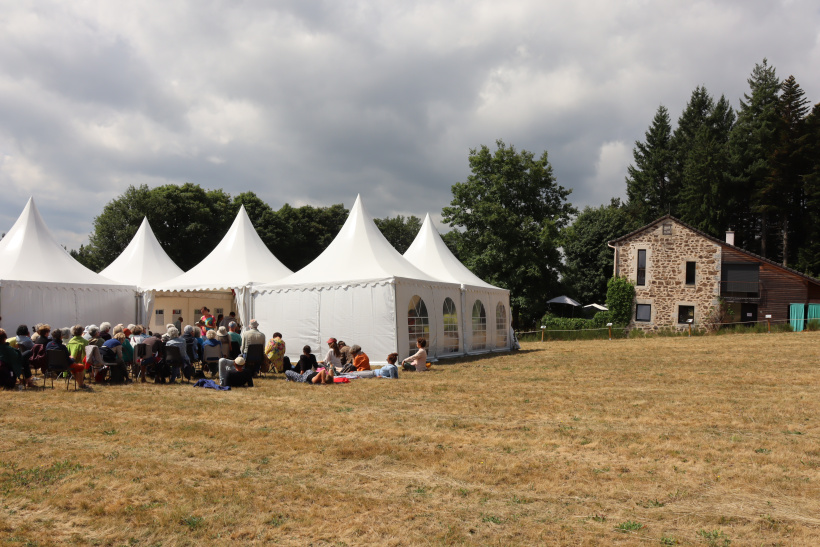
[(670, 441)]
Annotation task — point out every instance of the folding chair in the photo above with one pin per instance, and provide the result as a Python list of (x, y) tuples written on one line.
[(173, 358), (95, 360), (210, 358), (58, 363), (236, 350), (254, 358)]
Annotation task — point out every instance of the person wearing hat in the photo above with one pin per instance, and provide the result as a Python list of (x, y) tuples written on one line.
[(360, 359), (334, 356), (251, 336), (235, 374), (224, 339)]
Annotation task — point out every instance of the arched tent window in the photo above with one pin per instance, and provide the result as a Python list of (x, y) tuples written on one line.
[(418, 322), (500, 326), (479, 326), (450, 326)]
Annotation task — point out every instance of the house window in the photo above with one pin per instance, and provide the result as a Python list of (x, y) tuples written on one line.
[(418, 322), (690, 273), (641, 267), (479, 340), (685, 313), (643, 312), (500, 326), (450, 326), (667, 229)]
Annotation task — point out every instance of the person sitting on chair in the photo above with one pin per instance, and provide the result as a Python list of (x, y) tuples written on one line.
[(77, 368), (191, 345), (238, 377), (174, 339), (12, 362), (76, 344), (23, 340), (105, 331), (251, 336), (275, 351)]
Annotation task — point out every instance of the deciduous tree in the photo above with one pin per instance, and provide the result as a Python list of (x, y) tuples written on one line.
[(511, 210)]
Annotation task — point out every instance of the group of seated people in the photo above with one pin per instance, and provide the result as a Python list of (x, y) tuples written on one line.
[(132, 353), (351, 362)]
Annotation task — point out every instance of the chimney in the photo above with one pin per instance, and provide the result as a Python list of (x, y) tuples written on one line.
[(730, 237)]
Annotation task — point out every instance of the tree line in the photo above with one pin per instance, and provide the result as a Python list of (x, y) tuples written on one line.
[(755, 170)]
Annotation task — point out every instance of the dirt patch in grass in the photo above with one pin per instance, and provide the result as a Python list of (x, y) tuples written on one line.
[(708, 440)]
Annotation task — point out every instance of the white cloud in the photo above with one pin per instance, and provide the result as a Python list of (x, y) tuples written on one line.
[(314, 103)]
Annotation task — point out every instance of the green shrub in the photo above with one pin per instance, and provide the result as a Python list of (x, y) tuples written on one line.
[(620, 294)]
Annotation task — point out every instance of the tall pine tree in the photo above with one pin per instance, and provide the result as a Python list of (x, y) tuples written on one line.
[(647, 183), (755, 190), (790, 161)]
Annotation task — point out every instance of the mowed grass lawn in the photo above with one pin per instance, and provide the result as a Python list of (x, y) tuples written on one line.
[(691, 441)]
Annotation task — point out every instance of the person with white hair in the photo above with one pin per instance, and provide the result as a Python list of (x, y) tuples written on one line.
[(174, 339), (105, 328), (251, 336)]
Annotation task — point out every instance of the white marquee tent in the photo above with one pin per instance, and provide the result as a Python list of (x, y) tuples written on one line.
[(41, 282), (482, 318), (240, 261), (360, 290), (143, 263)]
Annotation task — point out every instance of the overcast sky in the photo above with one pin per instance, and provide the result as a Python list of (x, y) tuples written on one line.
[(315, 102)]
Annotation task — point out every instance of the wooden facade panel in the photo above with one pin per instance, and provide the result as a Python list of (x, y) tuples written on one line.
[(780, 289), (733, 256)]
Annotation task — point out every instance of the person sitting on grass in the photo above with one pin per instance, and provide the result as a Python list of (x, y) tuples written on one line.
[(333, 357), (390, 370), (228, 365), (307, 361), (77, 368), (240, 376), (321, 376), (417, 361), (360, 359)]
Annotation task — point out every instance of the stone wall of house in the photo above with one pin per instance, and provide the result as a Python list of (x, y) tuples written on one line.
[(666, 289)]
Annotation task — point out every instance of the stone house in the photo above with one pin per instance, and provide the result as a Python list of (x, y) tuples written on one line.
[(682, 274)]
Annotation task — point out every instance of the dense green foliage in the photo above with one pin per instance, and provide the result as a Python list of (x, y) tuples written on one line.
[(589, 261), (400, 231), (756, 171), (620, 294), (189, 221), (510, 212)]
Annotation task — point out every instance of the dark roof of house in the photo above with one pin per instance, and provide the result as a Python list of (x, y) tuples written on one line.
[(719, 242)]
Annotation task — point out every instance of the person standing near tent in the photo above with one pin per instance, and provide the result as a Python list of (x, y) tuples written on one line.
[(208, 319)]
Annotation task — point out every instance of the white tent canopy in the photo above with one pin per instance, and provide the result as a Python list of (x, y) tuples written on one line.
[(143, 262), (40, 281), (478, 300), (240, 261), (360, 290)]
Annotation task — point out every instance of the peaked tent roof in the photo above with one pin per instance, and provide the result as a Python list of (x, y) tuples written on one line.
[(429, 252), (29, 252), (143, 262), (240, 259), (563, 300), (359, 252)]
